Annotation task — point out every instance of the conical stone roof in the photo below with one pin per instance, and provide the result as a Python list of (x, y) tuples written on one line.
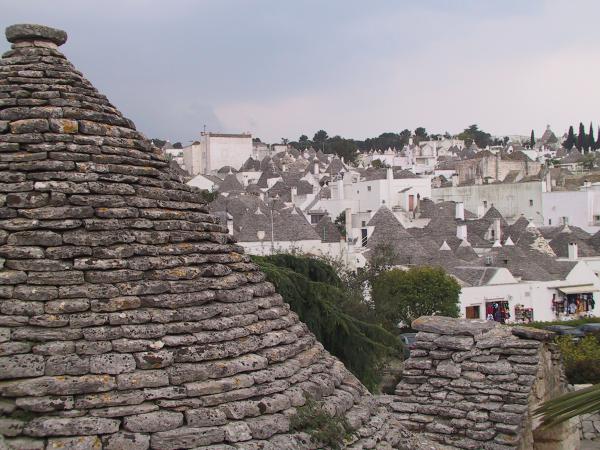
[(129, 319)]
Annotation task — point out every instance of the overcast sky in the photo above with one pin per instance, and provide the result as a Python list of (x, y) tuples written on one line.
[(352, 67)]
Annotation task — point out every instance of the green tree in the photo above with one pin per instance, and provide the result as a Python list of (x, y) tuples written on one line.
[(597, 146), (532, 139), (405, 136), (473, 133), (378, 164), (581, 139), (320, 138), (588, 161), (570, 141), (341, 147), (591, 143), (339, 319), (177, 145), (420, 135), (340, 223), (402, 296)]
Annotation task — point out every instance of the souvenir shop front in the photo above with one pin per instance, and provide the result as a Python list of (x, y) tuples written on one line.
[(574, 301), (497, 310)]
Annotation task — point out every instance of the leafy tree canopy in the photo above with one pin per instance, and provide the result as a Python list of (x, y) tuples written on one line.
[(341, 147), (320, 138), (403, 296), (473, 133), (340, 223), (339, 320), (378, 164), (420, 135)]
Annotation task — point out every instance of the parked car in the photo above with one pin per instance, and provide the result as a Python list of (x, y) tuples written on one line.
[(589, 328), (566, 330), (408, 343)]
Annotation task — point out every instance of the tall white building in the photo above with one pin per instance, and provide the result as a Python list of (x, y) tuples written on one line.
[(216, 150)]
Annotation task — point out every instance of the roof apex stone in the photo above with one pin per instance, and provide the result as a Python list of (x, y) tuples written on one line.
[(32, 32)]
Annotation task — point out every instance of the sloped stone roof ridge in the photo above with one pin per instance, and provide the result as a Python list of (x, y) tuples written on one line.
[(230, 184), (327, 231), (129, 317)]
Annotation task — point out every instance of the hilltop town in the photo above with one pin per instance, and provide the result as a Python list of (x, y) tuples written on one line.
[(518, 217), (236, 295)]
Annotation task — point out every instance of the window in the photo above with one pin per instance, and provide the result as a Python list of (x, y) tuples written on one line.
[(564, 220), (364, 223), (473, 312), (369, 188), (363, 235), (485, 203), (530, 202), (549, 221), (596, 220), (383, 202)]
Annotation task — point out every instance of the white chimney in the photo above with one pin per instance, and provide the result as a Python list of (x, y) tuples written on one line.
[(316, 171), (455, 180), (461, 231), (572, 251), (497, 229), (390, 173), (294, 194), (340, 188), (460, 211)]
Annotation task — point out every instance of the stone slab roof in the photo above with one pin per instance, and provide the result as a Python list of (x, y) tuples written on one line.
[(129, 317)]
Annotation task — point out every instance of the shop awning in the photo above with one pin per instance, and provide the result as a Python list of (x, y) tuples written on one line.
[(581, 289)]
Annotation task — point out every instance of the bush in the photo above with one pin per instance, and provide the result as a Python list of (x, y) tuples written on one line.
[(401, 296), (324, 429), (581, 359), (571, 323)]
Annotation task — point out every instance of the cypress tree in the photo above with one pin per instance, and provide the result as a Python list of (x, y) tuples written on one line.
[(581, 138), (597, 146), (570, 141), (532, 140), (591, 143)]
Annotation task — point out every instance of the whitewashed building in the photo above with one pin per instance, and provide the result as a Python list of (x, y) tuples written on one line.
[(216, 150)]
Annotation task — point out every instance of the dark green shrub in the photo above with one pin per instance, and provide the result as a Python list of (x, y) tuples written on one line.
[(326, 430), (581, 359)]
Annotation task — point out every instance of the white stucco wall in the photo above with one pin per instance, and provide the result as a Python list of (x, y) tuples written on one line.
[(332, 250), (225, 150), (580, 207), (511, 199)]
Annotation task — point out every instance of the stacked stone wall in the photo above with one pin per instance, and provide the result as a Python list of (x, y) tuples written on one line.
[(474, 385)]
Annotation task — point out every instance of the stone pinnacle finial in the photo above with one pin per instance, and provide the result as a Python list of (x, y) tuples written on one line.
[(32, 32)]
